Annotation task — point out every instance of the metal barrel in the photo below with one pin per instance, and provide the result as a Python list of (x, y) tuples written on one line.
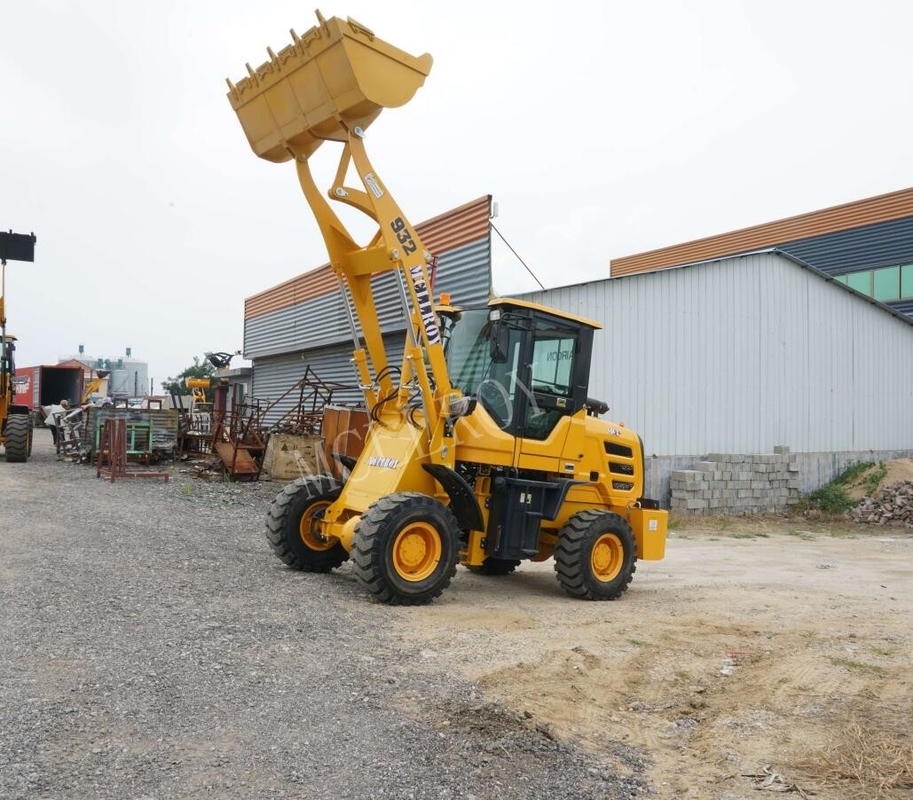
[(336, 76)]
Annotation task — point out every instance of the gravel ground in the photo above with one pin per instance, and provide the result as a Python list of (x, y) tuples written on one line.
[(151, 646)]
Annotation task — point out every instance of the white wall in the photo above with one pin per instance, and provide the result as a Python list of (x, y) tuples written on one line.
[(745, 353)]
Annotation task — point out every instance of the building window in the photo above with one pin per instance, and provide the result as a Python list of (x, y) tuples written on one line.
[(887, 284), (860, 281), (906, 280)]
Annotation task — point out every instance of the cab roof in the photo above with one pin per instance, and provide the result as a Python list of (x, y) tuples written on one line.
[(507, 301)]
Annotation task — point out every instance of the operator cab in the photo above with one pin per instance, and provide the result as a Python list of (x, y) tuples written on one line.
[(528, 366)]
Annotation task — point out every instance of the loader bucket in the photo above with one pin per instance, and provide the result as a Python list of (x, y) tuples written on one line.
[(336, 76)]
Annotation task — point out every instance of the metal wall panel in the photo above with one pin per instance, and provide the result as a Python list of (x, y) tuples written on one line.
[(903, 306), (449, 231), (321, 321), (868, 247), (274, 378), (746, 353)]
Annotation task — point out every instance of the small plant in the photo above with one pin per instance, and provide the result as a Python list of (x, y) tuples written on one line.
[(853, 471), (875, 477), (859, 666), (831, 499), (636, 642), (187, 488)]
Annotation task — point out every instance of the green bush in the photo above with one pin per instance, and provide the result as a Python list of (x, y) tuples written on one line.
[(833, 497)]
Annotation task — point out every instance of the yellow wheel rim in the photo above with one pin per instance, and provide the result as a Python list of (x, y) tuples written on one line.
[(307, 527), (607, 557), (417, 551)]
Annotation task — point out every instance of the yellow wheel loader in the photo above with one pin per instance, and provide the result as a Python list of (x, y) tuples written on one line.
[(484, 448), (15, 418)]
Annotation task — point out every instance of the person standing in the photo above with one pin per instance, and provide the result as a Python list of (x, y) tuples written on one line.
[(52, 416)]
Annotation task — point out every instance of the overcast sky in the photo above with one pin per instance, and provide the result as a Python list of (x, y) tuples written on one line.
[(601, 129)]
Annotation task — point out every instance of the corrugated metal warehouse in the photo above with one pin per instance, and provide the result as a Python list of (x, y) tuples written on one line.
[(786, 334), (743, 354)]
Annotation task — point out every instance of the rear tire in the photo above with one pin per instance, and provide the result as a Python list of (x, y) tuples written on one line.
[(596, 554), (406, 549), (495, 566), (18, 438), (290, 527)]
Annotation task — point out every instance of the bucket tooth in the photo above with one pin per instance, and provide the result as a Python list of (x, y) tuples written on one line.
[(336, 76)]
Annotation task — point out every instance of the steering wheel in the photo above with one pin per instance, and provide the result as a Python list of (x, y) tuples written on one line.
[(496, 401)]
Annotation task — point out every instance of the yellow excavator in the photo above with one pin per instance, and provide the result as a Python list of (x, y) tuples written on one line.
[(94, 385), (484, 447)]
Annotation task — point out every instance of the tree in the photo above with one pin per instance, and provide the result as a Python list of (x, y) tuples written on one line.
[(199, 369)]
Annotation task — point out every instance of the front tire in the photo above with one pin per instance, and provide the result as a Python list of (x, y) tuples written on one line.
[(406, 549), (596, 554), (291, 526), (18, 436)]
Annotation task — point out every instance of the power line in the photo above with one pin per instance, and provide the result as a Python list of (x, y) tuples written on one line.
[(516, 254)]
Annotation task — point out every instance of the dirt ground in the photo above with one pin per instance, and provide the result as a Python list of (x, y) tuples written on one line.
[(895, 471), (766, 654), (761, 654)]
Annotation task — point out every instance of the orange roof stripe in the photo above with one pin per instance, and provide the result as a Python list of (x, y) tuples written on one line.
[(447, 231), (881, 208)]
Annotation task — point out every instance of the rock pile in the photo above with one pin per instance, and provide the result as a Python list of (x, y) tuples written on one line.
[(892, 505)]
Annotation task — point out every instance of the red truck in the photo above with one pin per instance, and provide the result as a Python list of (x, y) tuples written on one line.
[(45, 385)]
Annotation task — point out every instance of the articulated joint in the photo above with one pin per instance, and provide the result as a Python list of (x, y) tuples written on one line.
[(347, 534)]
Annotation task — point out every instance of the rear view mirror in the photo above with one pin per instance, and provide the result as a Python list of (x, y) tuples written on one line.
[(498, 343)]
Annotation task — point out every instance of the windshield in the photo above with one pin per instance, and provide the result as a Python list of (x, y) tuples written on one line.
[(472, 369), (468, 359)]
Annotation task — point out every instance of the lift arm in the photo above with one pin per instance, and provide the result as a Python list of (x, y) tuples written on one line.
[(329, 85)]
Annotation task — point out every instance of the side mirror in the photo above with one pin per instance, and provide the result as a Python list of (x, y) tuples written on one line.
[(498, 343)]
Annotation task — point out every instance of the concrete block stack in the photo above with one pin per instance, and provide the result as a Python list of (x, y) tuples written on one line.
[(732, 483)]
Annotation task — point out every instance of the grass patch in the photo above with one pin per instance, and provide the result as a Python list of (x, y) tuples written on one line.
[(637, 642), (853, 471), (749, 535), (674, 525), (862, 761), (875, 477), (885, 651), (859, 666), (806, 535), (833, 498)]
